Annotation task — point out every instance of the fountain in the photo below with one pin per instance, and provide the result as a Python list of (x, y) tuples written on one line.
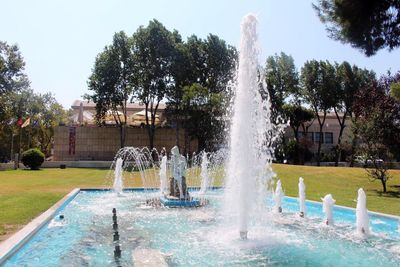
[(327, 206), (204, 174), (118, 183), (178, 195), (302, 197), (278, 196), (163, 176), (362, 220), (251, 135)]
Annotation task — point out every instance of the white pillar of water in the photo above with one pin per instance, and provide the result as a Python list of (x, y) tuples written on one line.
[(302, 197), (204, 174), (118, 183), (246, 169), (362, 220), (327, 208), (278, 195), (163, 175)]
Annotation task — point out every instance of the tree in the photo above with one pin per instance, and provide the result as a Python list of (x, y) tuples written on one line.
[(213, 65), (111, 82), (351, 80), (12, 65), (282, 81), (153, 51), (378, 128), (318, 87), (366, 25), (298, 116)]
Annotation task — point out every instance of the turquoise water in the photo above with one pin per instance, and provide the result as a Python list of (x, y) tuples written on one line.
[(202, 237)]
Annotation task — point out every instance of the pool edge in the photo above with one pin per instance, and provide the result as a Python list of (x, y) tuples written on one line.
[(11, 245)]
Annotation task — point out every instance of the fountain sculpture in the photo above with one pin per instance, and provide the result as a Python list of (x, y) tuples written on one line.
[(178, 195)]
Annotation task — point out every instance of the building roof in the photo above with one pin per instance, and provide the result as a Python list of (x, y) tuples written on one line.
[(89, 104)]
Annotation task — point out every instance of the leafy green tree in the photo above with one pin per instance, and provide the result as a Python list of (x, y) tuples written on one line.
[(112, 82), (351, 80), (213, 68), (298, 117), (12, 65), (318, 86), (378, 128), (395, 90), (367, 25), (153, 53), (282, 81)]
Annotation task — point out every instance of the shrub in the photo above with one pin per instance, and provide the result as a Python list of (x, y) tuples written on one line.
[(33, 158)]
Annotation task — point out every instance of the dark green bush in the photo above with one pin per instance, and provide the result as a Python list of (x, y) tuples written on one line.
[(33, 158)]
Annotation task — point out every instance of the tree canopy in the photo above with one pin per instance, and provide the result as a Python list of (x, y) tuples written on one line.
[(367, 25)]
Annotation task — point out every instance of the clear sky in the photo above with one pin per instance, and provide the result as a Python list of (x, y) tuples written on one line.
[(60, 39)]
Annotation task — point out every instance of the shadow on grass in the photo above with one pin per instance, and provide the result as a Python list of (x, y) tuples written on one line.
[(388, 194), (32, 170)]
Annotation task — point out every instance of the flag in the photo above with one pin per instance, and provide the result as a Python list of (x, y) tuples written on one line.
[(19, 122), (26, 123)]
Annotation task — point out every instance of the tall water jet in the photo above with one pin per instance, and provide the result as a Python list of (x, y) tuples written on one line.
[(163, 176), (251, 132), (278, 195), (118, 183), (327, 207), (362, 220), (302, 197), (204, 173)]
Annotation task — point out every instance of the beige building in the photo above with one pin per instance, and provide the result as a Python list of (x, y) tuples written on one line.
[(330, 133), (82, 139)]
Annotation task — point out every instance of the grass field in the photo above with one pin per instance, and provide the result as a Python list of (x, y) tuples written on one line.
[(25, 194)]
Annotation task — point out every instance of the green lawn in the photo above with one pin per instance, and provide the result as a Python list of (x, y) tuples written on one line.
[(25, 194)]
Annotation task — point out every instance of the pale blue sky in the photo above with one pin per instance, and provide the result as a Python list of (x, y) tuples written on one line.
[(60, 39)]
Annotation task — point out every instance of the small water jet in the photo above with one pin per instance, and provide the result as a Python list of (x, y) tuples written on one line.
[(118, 182), (278, 196), (163, 176), (327, 207), (302, 197), (204, 174), (362, 220)]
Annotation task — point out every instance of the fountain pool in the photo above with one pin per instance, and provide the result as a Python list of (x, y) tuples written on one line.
[(202, 237)]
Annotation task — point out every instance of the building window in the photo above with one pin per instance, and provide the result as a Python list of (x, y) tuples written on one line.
[(317, 136), (329, 138)]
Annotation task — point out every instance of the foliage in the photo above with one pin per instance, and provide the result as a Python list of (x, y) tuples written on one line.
[(12, 65), (395, 90), (378, 126), (298, 116), (351, 80), (319, 84), (366, 25), (153, 51), (33, 158), (282, 81), (111, 82)]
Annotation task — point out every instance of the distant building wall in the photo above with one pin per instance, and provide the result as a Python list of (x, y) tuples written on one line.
[(102, 143), (330, 134)]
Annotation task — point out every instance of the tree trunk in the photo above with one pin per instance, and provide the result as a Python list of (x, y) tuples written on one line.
[(122, 134), (384, 185), (319, 146), (353, 146), (339, 149)]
